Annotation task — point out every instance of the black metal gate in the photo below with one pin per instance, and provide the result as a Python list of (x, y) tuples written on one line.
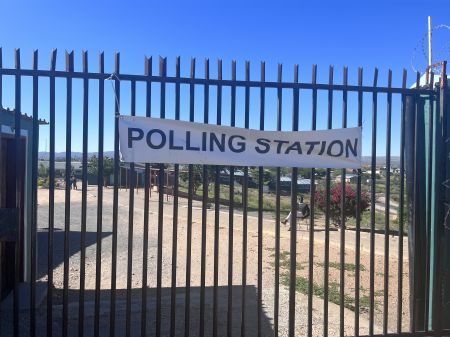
[(218, 261)]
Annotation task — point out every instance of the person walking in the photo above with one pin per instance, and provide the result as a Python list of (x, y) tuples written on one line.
[(303, 212)]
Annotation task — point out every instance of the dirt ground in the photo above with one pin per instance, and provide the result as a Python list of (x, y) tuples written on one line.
[(268, 275)]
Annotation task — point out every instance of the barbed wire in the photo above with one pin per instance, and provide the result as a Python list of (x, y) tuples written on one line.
[(421, 47)]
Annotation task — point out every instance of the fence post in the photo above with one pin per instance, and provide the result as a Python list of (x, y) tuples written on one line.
[(441, 238), (416, 199), (428, 223)]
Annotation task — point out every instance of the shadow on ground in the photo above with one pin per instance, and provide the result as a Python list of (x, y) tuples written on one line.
[(136, 295), (136, 313), (74, 239)]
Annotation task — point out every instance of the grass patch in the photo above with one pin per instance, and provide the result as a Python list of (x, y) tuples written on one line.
[(302, 286), (285, 261), (364, 303), (378, 293), (351, 267)]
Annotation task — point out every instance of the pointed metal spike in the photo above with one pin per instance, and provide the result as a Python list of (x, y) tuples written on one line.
[(85, 60), (53, 59), (17, 58), (35, 59)]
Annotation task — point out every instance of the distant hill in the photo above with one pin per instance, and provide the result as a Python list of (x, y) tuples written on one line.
[(75, 155), (381, 161), (366, 160)]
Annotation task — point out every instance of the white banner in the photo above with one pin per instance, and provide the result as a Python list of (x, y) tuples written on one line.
[(154, 140)]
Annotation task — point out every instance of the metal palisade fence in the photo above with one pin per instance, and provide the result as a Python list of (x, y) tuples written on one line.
[(108, 260)]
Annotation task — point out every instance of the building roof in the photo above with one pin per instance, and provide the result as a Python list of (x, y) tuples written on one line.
[(24, 115), (423, 81), (137, 166), (301, 181), (237, 173)]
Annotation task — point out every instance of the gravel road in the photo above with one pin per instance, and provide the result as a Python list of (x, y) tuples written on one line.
[(268, 275)]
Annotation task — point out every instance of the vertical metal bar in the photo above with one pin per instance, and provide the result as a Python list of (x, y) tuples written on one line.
[(312, 205), (276, 305), (372, 208), (401, 207), (415, 221), (34, 178), (69, 69), (1, 105), (443, 89), (189, 215), (358, 215), (429, 205), (112, 320), (387, 197), (231, 211), (100, 180), (327, 213), (204, 209), (1, 77), (162, 73), (83, 197), (130, 224), (293, 226), (245, 219), (342, 224), (175, 214), (148, 106), (18, 192), (216, 209), (51, 198)]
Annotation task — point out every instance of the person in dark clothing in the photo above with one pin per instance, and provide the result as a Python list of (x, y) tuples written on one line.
[(303, 211), (74, 182)]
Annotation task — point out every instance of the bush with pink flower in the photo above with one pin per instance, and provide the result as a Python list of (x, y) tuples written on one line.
[(336, 202)]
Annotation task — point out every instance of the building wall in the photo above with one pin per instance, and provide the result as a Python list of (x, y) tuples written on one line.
[(7, 123)]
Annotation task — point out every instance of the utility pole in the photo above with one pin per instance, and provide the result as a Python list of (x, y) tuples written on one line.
[(430, 57)]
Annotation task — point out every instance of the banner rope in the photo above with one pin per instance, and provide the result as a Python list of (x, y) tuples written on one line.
[(112, 78)]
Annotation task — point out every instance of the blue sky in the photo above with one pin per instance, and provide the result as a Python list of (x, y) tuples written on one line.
[(370, 34)]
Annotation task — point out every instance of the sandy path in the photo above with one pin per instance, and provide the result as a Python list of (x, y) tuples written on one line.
[(252, 267)]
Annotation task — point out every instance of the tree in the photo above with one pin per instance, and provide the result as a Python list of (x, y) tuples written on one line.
[(304, 173), (267, 174), (197, 175), (336, 201), (108, 167), (42, 171)]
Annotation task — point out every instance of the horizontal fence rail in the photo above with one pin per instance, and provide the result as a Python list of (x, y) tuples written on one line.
[(112, 248), (202, 81)]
